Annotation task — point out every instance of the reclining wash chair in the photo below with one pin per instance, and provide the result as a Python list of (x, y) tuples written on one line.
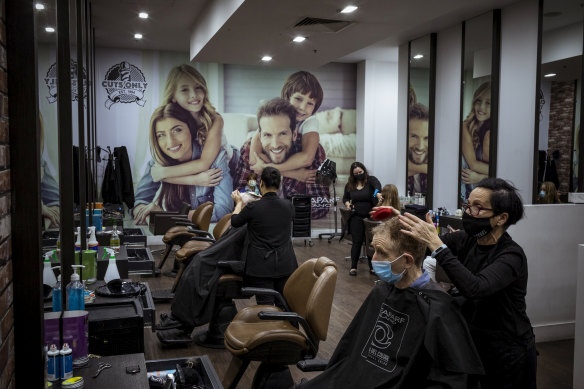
[(265, 333), (182, 231)]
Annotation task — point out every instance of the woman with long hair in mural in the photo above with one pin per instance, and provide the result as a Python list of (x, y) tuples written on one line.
[(175, 141), (186, 87), (476, 130)]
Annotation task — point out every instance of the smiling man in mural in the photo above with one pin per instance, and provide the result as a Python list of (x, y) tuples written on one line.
[(418, 149), (280, 140)]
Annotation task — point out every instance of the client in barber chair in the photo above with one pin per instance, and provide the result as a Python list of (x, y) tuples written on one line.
[(270, 255), (194, 297), (407, 333)]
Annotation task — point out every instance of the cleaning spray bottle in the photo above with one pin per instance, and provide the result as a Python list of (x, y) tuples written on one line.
[(112, 272), (57, 293), (75, 298), (48, 275), (78, 241), (92, 244)]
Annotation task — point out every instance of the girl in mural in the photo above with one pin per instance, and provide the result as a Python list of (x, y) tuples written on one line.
[(476, 130), (186, 87), (175, 141), (304, 92)]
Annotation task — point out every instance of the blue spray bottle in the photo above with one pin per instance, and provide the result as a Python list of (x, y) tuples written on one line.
[(57, 293), (75, 298)]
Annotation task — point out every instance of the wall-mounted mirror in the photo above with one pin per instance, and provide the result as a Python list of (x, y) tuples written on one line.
[(420, 153), (560, 102), (479, 96)]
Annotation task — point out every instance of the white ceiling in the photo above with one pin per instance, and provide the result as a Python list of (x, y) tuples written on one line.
[(261, 27)]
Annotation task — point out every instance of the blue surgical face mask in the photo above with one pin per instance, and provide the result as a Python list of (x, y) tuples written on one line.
[(383, 270), (542, 194)]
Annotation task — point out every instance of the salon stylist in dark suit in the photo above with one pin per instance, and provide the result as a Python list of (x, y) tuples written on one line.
[(270, 256), (362, 193)]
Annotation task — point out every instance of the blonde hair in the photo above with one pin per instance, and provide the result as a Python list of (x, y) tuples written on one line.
[(207, 112), (390, 196), (473, 124), (171, 195)]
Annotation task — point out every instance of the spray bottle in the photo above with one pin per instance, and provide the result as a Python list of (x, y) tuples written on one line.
[(78, 241), (115, 239), (66, 362), (75, 290), (112, 272), (57, 293), (53, 365), (92, 244), (48, 275)]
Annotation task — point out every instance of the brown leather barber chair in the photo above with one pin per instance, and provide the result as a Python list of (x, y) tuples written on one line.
[(161, 221), (198, 240), (182, 231), (271, 336)]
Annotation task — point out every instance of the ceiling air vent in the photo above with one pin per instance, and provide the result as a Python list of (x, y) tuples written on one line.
[(321, 25)]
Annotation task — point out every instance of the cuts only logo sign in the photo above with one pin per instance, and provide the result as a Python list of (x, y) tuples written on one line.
[(124, 83), (51, 81)]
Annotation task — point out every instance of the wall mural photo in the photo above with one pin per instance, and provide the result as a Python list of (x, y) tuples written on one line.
[(191, 133)]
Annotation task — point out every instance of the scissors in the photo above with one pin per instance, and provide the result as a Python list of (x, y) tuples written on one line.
[(101, 367)]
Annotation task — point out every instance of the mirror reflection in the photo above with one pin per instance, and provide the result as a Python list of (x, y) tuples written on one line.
[(559, 100), (418, 117), (476, 103)]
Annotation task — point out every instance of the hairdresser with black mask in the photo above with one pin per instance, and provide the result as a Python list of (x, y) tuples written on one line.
[(490, 272)]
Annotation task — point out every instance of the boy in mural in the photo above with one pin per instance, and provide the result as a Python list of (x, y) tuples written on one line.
[(280, 141), (186, 87), (418, 149), (304, 92)]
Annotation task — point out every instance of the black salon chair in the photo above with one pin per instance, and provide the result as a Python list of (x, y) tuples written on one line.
[(267, 334)]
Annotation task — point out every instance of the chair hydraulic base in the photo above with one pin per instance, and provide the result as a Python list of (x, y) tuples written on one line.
[(164, 295), (222, 316)]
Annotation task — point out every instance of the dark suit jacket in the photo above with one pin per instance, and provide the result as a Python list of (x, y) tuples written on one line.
[(269, 224)]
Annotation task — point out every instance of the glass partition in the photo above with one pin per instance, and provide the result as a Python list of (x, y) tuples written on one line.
[(420, 153), (479, 96), (559, 104)]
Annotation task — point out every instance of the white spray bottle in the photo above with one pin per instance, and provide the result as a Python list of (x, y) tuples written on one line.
[(112, 272), (48, 274), (78, 241), (92, 244)]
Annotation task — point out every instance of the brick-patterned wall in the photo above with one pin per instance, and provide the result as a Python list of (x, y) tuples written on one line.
[(561, 128), (6, 293)]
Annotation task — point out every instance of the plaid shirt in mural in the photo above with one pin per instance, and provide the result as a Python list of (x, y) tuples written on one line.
[(290, 186), (418, 183)]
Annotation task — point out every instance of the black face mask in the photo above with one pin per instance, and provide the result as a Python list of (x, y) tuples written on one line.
[(360, 177), (475, 226)]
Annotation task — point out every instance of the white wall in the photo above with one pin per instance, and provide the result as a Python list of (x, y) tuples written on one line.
[(447, 117), (515, 141), (579, 338), (549, 235), (561, 43), (377, 113)]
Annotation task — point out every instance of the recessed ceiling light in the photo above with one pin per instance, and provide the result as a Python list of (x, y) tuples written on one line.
[(348, 9), (49, 29), (550, 75), (418, 56), (39, 6), (266, 58), (299, 39), (143, 15), (138, 36)]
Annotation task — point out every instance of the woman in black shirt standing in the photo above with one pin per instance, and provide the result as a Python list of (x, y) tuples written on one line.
[(362, 193), (490, 271)]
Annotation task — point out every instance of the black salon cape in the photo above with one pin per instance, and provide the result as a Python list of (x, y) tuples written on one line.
[(403, 338), (194, 297)]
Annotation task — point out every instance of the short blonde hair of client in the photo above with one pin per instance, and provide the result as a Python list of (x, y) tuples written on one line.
[(402, 243)]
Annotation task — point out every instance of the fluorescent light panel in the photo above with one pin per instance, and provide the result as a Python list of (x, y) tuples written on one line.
[(39, 6), (266, 58), (49, 29), (550, 75), (138, 36), (348, 9), (418, 56), (143, 15)]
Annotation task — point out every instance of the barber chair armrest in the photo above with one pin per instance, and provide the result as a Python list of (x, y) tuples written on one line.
[(312, 365), (266, 292), (237, 267), (201, 232), (293, 318), (202, 239)]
